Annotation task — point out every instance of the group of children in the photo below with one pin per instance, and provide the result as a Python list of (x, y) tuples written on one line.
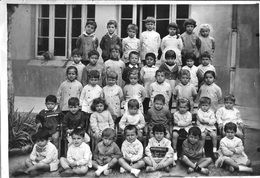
[(90, 100)]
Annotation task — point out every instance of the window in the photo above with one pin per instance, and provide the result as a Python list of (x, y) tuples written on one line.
[(59, 26), (181, 15)]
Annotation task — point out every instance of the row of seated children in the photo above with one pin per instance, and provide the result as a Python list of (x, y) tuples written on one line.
[(158, 153)]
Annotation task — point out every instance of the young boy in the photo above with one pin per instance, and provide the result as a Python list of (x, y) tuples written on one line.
[(159, 151), (192, 153), (133, 58), (150, 39), (189, 59), (204, 67), (106, 153), (77, 57), (49, 119), (160, 87), (87, 41), (75, 118), (158, 114), (93, 65), (44, 156), (109, 39), (79, 156), (130, 43), (132, 150), (228, 113), (191, 41)]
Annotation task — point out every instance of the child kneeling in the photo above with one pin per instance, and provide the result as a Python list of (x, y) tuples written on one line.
[(44, 156), (193, 154), (159, 153), (132, 150), (78, 156)]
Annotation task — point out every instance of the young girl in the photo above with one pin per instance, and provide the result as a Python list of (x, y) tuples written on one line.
[(182, 122), (173, 42), (231, 151), (207, 42), (211, 90), (134, 90), (185, 89), (113, 95), (147, 74), (100, 119), (114, 64), (69, 88), (159, 151)]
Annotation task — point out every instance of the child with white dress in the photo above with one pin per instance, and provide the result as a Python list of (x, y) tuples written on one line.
[(207, 42)]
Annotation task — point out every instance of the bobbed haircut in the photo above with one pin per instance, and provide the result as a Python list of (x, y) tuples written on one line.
[(230, 126), (93, 74), (51, 98), (210, 72), (93, 52), (76, 51), (150, 19), (133, 53), (204, 100), (79, 132), (132, 71), (114, 47), (109, 133), (170, 53), (132, 27), (205, 54), (190, 55), (91, 22), (152, 55), (159, 128), (73, 101), (184, 72), (230, 97), (42, 134), (133, 103), (112, 74), (159, 97), (130, 127), (189, 22), (96, 102), (183, 101), (70, 68), (195, 131), (112, 22)]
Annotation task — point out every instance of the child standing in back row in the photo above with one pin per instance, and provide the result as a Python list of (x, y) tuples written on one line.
[(88, 40), (77, 57), (207, 42), (150, 39)]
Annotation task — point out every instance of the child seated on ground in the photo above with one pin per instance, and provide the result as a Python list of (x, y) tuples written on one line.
[(106, 153), (206, 122), (75, 118), (133, 116), (231, 151), (132, 150), (159, 114), (159, 151), (79, 156), (228, 113), (192, 153), (49, 119), (44, 156)]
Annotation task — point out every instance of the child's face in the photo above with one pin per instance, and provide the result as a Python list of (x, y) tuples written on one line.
[(160, 77), (205, 61), (76, 58), (133, 58), (204, 32), (230, 134), (183, 108), (107, 140), (189, 62), (149, 61), (209, 79), (229, 104), (42, 143), (77, 140), (93, 81), (170, 61), (172, 31), (100, 107), (132, 110), (111, 29), (50, 105), (133, 78), (111, 81), (149, 26), (131, 135), (71, 75), (93, 59), (189, 28), (74, 109), (89, 29), (131, 33), (205, 107), (158, 135), (185, 79), (115, 54), (193, 139), (158, 105)]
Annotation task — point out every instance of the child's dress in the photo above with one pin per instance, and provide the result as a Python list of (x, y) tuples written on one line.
[(88, 68), (193, 75), (207, 44), (133, 150), (208, 116), (163, 88), (80, 68), (184, 121), (191, 43), (128, 45), (172, 43), (128, 119), (112, 95), (224, 116), (106, 42), (50, 154), (116, 66)]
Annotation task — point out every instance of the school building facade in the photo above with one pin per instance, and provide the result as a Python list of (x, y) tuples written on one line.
[(55, 28)]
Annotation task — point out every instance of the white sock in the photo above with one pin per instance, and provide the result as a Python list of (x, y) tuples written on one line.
[(135, 172), (245, 169), (214, 149), (105, 167)]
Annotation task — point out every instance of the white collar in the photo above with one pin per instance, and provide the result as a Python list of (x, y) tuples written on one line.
[(54, 109), (131, 66)]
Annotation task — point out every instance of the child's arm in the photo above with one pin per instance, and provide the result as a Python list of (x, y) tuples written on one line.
[(175, 93), (95, 43), (225, 150), (200, 117), (50, 155), (59, 94), (82, 97), (102, 43), (198, 43), (117, 153), (148, 116), (124, 75), (122, 122), (186, 122), (169, 153), (212, 119), (163, 45), (169, 116), (142, 74), (239, 147), (123, 46), (141, 123), (83, 121), (93, 123), (219, 94), (143, 92), (33, 154), (121, 94), (239, 119), (84, 78), (180, 44), (78, 42), (110, 121), (86, 158), (219, 115), (139, 155), (149, 154)]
